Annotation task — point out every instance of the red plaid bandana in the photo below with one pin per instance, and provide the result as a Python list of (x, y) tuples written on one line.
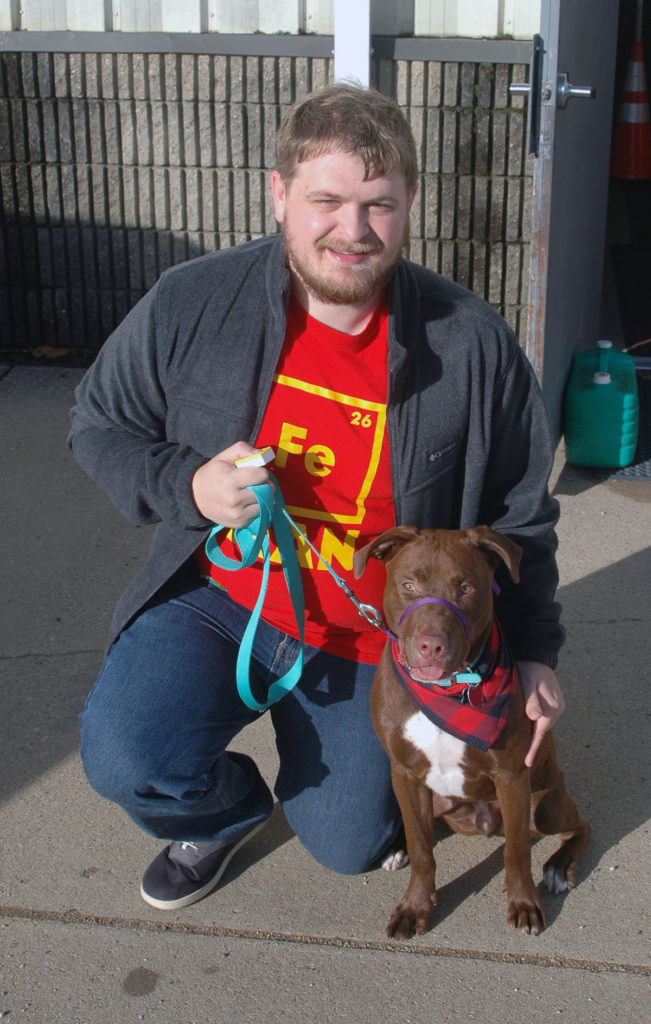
[(475, 714)]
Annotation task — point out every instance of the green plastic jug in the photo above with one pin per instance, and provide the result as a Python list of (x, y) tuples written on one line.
[(601, 408)]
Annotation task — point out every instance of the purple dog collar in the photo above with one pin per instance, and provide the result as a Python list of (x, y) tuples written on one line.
[(437, 600), (448, 604)]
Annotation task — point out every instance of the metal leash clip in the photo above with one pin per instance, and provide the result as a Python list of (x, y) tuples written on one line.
[(372, 615), (367, 611)]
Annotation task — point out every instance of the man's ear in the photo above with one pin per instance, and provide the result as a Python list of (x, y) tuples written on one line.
[(278, 195)]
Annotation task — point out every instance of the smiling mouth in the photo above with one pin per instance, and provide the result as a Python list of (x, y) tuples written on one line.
[(350, 258), (347, 251)]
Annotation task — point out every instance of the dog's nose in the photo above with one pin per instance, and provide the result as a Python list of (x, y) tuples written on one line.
[(432, 646)]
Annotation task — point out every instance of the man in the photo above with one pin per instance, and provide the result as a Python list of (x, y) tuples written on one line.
[(390, 395)]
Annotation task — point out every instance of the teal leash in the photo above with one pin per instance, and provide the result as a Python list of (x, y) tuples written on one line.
[(253, 541)]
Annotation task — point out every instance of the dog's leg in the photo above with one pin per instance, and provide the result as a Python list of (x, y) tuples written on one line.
[(555, 813), (412, 915), (524, 910)]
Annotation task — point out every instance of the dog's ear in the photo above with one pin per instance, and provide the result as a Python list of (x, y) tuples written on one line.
[(507, 549), (383, 547)]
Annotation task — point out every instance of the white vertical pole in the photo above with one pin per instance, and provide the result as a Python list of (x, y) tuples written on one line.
[(353, 41)]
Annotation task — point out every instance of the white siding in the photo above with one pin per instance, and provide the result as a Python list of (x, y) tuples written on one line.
[(464, 18), (83, 16), (181, 17), (456, 18), (252, 16), (44, 15), (477, 18), (319, 17), (521, 18)]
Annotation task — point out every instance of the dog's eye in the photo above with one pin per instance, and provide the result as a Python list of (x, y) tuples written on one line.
[(409, 586), (465, 589)]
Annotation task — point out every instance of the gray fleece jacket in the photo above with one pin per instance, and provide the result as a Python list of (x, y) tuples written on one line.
[(189, 371)]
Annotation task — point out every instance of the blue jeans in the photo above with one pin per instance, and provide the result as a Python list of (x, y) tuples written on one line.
[(165, 707)]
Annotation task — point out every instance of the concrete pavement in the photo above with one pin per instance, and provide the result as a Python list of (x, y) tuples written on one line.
[(283, 938)]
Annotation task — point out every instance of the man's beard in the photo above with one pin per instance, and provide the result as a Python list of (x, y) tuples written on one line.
[(360, 283)]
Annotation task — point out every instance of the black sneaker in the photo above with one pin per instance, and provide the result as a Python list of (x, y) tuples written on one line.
[(186, 872)]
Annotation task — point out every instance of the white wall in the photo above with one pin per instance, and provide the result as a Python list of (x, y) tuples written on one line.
[(477, 18), (465, 18)]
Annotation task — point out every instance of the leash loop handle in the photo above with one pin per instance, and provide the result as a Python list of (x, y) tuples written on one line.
[(249, 539), (253, 541)]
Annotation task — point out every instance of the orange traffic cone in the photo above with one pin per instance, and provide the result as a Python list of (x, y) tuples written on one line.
[(631, 152)]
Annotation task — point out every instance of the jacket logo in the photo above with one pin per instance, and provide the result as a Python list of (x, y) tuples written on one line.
[(435, 456)]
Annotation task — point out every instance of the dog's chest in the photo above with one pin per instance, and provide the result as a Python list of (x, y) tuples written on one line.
[(443, 752)]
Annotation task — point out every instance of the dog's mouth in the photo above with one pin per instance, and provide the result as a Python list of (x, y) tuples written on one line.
[(425, 671)]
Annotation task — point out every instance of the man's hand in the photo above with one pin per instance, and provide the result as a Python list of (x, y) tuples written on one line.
[(222, 492), (543, 701)]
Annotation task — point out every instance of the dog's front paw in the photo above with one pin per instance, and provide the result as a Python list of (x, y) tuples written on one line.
[(526, 914), (408, 920)]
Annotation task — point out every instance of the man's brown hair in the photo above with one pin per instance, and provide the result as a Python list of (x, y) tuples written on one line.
[(348, 119)]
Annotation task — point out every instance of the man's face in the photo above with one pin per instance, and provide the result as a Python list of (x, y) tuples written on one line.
[(342, 235)]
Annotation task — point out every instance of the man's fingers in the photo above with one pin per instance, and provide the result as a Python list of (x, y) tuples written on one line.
[(532, 707), (534, 712), (222, 492), (238, 450), (539, 731), (543, 702)]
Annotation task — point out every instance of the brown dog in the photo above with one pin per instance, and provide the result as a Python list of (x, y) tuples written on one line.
[(438, 604)]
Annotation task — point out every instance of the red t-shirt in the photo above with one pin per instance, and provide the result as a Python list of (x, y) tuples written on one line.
[(326, 420)]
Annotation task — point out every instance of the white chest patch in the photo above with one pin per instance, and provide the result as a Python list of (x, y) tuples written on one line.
[(443, 751)]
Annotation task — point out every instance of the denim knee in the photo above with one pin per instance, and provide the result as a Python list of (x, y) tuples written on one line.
[(346, 859), (106, 760), (346, 852), (124, 767)]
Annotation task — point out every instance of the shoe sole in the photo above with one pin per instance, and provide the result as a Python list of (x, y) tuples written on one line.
[(198, 894)]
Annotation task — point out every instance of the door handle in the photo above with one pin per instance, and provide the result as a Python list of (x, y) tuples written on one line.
[(565, 90), (539, 92)]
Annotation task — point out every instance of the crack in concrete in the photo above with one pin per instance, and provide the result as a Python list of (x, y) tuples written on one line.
[(50, 654), (75, 917)]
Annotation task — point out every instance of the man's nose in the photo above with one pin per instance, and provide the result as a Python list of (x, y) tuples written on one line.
[(353, 221)]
